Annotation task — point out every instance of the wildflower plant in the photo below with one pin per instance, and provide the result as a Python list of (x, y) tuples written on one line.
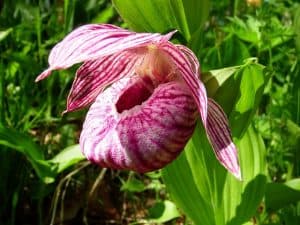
[(146, 96), (150, 107)]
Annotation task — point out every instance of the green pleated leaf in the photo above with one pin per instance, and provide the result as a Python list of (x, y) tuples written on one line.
[(184, 192), (214, 79), (279, 195), (252, 84), (240, 94), (205, 191), (164, 15), (238, 90)]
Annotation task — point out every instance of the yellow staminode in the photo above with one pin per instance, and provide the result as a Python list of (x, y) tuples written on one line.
[(156, 65)]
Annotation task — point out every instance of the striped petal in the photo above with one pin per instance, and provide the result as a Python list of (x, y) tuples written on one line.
[(188, 66), (194, 63), (220, 138), (149, 135), (213, 117), (143, 138), (93, 76), (93, 41)]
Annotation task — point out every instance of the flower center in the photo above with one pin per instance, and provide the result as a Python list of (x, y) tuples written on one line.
[(136, 94), (157, 65), (156, 68)]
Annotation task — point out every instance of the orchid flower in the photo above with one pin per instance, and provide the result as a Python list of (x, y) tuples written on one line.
[(146, 97)]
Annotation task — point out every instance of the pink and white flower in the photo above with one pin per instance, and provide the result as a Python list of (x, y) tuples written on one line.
[(146, 96)]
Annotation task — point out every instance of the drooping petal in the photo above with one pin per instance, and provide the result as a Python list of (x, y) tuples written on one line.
[(213, 117), (143, 138), (93, 41), (220, 138), (93, 76), (188, 65)]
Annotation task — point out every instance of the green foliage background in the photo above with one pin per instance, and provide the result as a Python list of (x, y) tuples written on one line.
[(249, 59)]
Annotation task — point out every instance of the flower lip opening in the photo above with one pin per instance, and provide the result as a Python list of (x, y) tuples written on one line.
[(136, 94)]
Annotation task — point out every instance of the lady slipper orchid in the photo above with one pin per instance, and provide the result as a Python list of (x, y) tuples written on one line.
[(146, 97)]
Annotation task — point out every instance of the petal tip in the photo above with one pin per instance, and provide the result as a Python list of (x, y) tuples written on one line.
[(70, 108), (169, 35), (237, 174), (64, 112), (229, 158), (73, 106), (43, 75)]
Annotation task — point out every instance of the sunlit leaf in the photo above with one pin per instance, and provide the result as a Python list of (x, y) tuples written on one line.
[(164, 15), (214, 79), (202, 188), (67, 158), (5, 33), (163, 212), (238, 90), (240, 95), (154, 174)]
